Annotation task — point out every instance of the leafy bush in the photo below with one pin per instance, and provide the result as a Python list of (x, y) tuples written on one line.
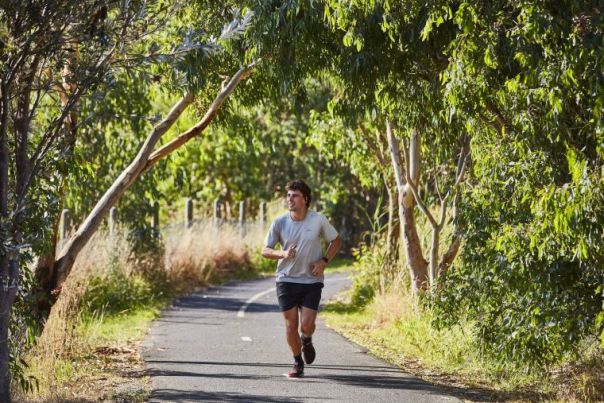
[(116, 293), (369, 276), (260, 264), (530, 273)]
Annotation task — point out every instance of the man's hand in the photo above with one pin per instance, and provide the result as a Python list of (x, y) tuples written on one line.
[(318, 267), (290, 253)]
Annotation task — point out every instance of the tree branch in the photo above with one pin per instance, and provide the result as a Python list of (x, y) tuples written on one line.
[(69, 252), (396, 157), (413, 187), (144, 160), (182, 138)]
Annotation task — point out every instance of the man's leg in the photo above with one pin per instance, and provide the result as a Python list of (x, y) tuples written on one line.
[(291, 330), (293, 339), (307, 319), (307, 327)]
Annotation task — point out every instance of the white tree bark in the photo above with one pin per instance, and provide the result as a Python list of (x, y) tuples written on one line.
[(413, 250), (144, 160)]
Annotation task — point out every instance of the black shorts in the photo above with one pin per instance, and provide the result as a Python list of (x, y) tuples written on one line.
[(295, 294)]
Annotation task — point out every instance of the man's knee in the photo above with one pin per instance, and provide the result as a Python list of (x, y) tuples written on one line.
[(291, 326), (307, 327)]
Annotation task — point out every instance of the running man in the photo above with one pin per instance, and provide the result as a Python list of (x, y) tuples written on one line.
[(300, 268)]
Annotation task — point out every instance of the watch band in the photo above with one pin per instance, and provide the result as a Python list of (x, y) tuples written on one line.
[(325, 259)]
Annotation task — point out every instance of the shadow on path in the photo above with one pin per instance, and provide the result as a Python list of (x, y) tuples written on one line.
[(199, 301), (370, 377), (363, 368), (175, 395), (358, 376)]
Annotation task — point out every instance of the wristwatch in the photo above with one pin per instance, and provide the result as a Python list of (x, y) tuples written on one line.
[(325, 259)]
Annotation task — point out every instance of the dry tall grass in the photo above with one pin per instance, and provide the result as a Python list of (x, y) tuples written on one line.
[(187, 259), (98, 257), (59, 339), (203, 253)]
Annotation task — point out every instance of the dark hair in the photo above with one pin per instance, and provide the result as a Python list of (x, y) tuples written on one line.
[(298, 184)]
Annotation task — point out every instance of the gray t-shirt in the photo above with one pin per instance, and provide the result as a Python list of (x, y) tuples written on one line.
[(307, 235)]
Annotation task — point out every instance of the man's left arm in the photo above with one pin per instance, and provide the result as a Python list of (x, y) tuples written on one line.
[(332, 250)]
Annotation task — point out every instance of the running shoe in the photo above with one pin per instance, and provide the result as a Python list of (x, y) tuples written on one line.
[(308, 352), (297, 371)]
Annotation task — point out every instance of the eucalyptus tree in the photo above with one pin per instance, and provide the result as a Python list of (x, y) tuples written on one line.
[(54, 54), (523, 84), (528, 83), (389, 69), (202, 18)]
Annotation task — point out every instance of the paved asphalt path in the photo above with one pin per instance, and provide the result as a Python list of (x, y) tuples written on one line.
[(228, 344)]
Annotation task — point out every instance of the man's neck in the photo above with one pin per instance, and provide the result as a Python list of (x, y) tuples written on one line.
[(298, 215)]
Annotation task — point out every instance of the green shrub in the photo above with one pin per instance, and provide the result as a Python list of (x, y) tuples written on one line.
[(530, 272), (369, 273), (260, 264), (117, 292)]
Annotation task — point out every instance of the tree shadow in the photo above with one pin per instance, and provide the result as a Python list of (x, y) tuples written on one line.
[(175, 395), (374, 377), (203, 301)]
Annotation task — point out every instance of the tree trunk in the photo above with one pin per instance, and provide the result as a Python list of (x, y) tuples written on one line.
[(393, 234), (45, 264), (449, 255), (69, 252), (144, 161), (9, 267), (434, 255), (418, 266), (462, 163)]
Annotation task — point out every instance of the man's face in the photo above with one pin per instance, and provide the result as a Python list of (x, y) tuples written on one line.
[(295, 200)]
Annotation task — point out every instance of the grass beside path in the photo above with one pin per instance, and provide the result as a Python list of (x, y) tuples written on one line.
[(89, 348), (391, 328)]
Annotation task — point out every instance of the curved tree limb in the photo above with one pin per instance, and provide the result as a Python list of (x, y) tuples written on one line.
[(182, 138), (462, 164), (74, 245), (143, 161)]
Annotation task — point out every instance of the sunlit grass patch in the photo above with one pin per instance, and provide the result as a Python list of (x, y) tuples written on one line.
[(89, 346), (395, 328), (339, 264), (118, 328), (203, 254)]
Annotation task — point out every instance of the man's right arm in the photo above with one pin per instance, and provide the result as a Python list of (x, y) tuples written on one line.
[(275, 254), (272, 253), (272, 238)]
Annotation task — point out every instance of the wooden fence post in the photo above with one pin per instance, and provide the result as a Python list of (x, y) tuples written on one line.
[(155, 217), (65, 224), (242, 218), (189, 213), (263, 212), (217, 214), (112, 221)]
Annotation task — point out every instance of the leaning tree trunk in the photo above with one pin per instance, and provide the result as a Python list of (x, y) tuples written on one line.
[(418, 266), (144, 160), (45, 265)]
